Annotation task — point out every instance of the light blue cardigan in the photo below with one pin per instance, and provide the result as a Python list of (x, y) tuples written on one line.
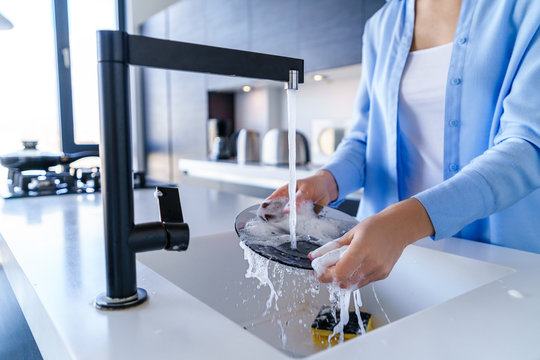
[(492, 123)]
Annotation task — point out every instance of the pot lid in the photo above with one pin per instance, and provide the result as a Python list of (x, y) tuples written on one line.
[(30, 150)]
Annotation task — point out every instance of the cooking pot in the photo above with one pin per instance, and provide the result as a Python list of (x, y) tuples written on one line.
[(275, 148), (30, 158)]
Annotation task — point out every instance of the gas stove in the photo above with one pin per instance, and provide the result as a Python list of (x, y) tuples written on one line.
[(24, 183)]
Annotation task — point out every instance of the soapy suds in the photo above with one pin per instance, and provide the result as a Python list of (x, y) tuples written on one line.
[(291, 112), (317, 228), (310, 226), (293, 303), (298, 303)]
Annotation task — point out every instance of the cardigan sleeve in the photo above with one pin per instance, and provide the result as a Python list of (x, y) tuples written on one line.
[(506, 172)]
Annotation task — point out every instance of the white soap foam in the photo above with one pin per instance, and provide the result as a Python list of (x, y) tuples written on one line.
[(321, 230), (321, 263), (272, 275), (310, 226)]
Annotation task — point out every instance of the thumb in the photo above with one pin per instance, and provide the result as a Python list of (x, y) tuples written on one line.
[(282, 192)]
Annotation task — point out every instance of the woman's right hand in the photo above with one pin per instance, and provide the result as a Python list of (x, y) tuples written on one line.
[(320, 188)]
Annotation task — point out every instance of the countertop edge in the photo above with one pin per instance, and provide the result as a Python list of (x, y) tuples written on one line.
[(50, 343)]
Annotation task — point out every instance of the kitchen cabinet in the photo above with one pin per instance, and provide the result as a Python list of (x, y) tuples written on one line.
[(330, 33), (325, 33)]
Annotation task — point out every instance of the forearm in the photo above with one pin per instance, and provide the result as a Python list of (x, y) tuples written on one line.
[(347, 165), (493, 181), (405, 221)]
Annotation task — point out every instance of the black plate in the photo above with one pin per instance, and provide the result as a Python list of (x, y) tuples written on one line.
[(283, 253)]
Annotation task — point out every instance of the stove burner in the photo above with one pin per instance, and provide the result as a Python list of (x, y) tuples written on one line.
[(45, 182)]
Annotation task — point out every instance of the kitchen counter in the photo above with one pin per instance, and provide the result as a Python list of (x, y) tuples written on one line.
[(53, 254), (255, 178)]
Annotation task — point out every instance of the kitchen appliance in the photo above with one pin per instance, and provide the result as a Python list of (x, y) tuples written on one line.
[(247, 146), (326, 134), (30, 158), (220, 149), (273, 246), (218, 131), (29, 173), (23, 183), (275, 148)]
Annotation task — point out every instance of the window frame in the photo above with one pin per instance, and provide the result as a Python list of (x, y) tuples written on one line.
[(63, 65)]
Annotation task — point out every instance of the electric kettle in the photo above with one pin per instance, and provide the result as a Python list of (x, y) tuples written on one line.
[(275, 148)]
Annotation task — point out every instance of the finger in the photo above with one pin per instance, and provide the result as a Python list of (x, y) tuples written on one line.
[(302, 197), (322, 263), (330, 246), (357, 279), (327, 276), (272, 209), (279, 193), (365, 274), (353, 267)]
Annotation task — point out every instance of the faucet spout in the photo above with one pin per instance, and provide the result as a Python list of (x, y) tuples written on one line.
[(292, 84)]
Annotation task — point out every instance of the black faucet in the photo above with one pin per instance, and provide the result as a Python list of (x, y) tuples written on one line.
[(123, 238)]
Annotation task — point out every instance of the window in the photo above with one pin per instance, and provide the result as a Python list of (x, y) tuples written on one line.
[(76, 25), (28, 82), (85, 18), (32, 85)]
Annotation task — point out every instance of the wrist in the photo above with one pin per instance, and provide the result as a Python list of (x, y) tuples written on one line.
[(409, 219), (329, 184)]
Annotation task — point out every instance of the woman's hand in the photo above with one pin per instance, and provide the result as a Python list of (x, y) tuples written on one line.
[(376, 244), (320, 188)]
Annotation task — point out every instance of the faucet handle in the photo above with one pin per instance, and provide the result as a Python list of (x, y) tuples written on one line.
[(172, 220), (170, 210)]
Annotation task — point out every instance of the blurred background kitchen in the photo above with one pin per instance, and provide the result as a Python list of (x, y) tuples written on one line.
[(222, 132)]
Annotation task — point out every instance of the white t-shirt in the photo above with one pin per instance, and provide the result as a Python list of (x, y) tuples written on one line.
[(421, 119)]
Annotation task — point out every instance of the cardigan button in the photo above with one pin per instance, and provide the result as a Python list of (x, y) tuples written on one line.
[(462, 41), (456, 81)]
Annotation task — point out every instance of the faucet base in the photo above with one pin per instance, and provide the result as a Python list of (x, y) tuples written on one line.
[(103, 302)]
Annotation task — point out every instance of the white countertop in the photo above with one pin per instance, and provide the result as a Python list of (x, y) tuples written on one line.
[(251, 174), (53, 254)]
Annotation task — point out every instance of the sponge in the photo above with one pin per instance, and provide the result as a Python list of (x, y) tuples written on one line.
[(323, 326)]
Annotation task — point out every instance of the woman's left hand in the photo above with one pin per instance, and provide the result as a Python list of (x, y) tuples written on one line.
[(376, 244)]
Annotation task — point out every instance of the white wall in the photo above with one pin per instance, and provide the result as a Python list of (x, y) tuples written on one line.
[(259, 110), (328, 102)]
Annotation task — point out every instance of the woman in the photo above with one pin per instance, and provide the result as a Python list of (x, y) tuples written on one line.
[(446, 138)]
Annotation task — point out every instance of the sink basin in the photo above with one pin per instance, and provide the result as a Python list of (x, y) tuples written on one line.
[(213, 270)]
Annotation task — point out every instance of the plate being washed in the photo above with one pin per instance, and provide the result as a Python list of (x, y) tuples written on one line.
[(280, 251)]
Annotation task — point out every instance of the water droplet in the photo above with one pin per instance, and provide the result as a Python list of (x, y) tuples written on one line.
[(515, 294)]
